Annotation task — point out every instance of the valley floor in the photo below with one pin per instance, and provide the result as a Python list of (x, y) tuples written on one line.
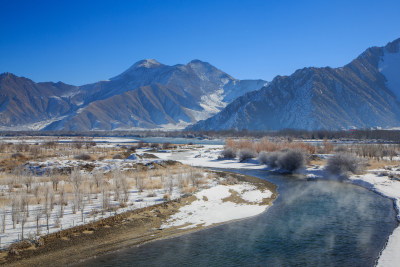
[(228, 197), (380, 180), (222, 197)]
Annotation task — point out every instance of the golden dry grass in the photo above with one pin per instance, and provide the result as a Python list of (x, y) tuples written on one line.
[(374, 164), (269, 146)]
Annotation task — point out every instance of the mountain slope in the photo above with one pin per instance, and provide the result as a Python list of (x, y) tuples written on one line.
[(151, 95), (361, 94), (24, 102)]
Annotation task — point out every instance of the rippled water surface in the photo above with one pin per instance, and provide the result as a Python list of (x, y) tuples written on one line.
[(322, 223)]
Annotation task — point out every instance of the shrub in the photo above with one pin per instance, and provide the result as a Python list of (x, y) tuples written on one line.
[(228, 153), (132, 149), (270, 159), (292, 160), (344, 163), (83, 157), (17, 155), (246, 153), (117, 156), (340, 149), (155, 146), (289, 160), (166, 145)]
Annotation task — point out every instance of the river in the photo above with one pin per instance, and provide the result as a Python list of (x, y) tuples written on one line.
[(311, 223)]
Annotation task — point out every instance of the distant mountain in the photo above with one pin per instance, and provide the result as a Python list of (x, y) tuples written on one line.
[(147, 95), (362, 94), (26, 103)]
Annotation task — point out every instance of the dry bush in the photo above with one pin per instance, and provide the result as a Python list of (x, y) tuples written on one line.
[(17, 155), (228, 153), (269, 158), (246, 154), (344, 163), (189, 190), (118, 156), (292, 160), (289, 160), (83, 156), (269, 146)]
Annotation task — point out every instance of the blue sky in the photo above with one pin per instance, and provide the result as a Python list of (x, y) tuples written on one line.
[(79, 42)]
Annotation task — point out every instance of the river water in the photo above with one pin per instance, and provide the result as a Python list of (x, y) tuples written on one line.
[(311, 223)]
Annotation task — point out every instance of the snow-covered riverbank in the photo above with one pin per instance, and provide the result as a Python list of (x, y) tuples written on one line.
[(384, 185), (377, 180), (220, 204)]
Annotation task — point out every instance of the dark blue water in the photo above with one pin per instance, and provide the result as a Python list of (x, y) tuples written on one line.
[(322, 223)]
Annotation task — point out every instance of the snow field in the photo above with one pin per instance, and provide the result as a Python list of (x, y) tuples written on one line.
[(118, 191), (210, 207)]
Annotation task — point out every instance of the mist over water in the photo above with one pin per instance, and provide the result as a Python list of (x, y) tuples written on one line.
[(323, 223)]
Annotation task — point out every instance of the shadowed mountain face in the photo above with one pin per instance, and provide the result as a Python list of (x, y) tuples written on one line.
[(23, 101), (147, 95), (364, 93)]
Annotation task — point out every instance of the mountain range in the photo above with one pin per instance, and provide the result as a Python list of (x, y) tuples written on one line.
[(147, 95), (364, 93)]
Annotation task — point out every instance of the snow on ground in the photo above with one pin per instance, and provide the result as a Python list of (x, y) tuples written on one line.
[(211, 208), (207, 156), (91, 212), (388, 187)]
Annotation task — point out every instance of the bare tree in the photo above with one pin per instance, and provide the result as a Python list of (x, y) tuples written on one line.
[(139, 182), (98, 178), (3, 221), (51, 199), (36, 192), (15, 208), (105, 197), (38, 216), (24, 218), (25, 204), (61, 201), (76, 181), (27, 179), (46, 208), (117, 185), (55, 179), (10, 183)]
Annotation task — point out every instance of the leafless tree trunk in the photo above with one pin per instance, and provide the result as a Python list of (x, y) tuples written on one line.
[(10, 183), (139, 182), (38, 216), (76, 182), (28, 179), (105, 198), (51, 199), (125, 188), (62, 200), (117, 185), (82, 210), (55, 179), (98, 178), (23, 221), (25, 204), (15, 205), (36, 192), (3, 221)]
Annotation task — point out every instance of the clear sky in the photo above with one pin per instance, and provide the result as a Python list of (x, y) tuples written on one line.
[(80, 42)]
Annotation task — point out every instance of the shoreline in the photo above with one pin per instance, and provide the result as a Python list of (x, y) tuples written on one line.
[(76, 245)]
